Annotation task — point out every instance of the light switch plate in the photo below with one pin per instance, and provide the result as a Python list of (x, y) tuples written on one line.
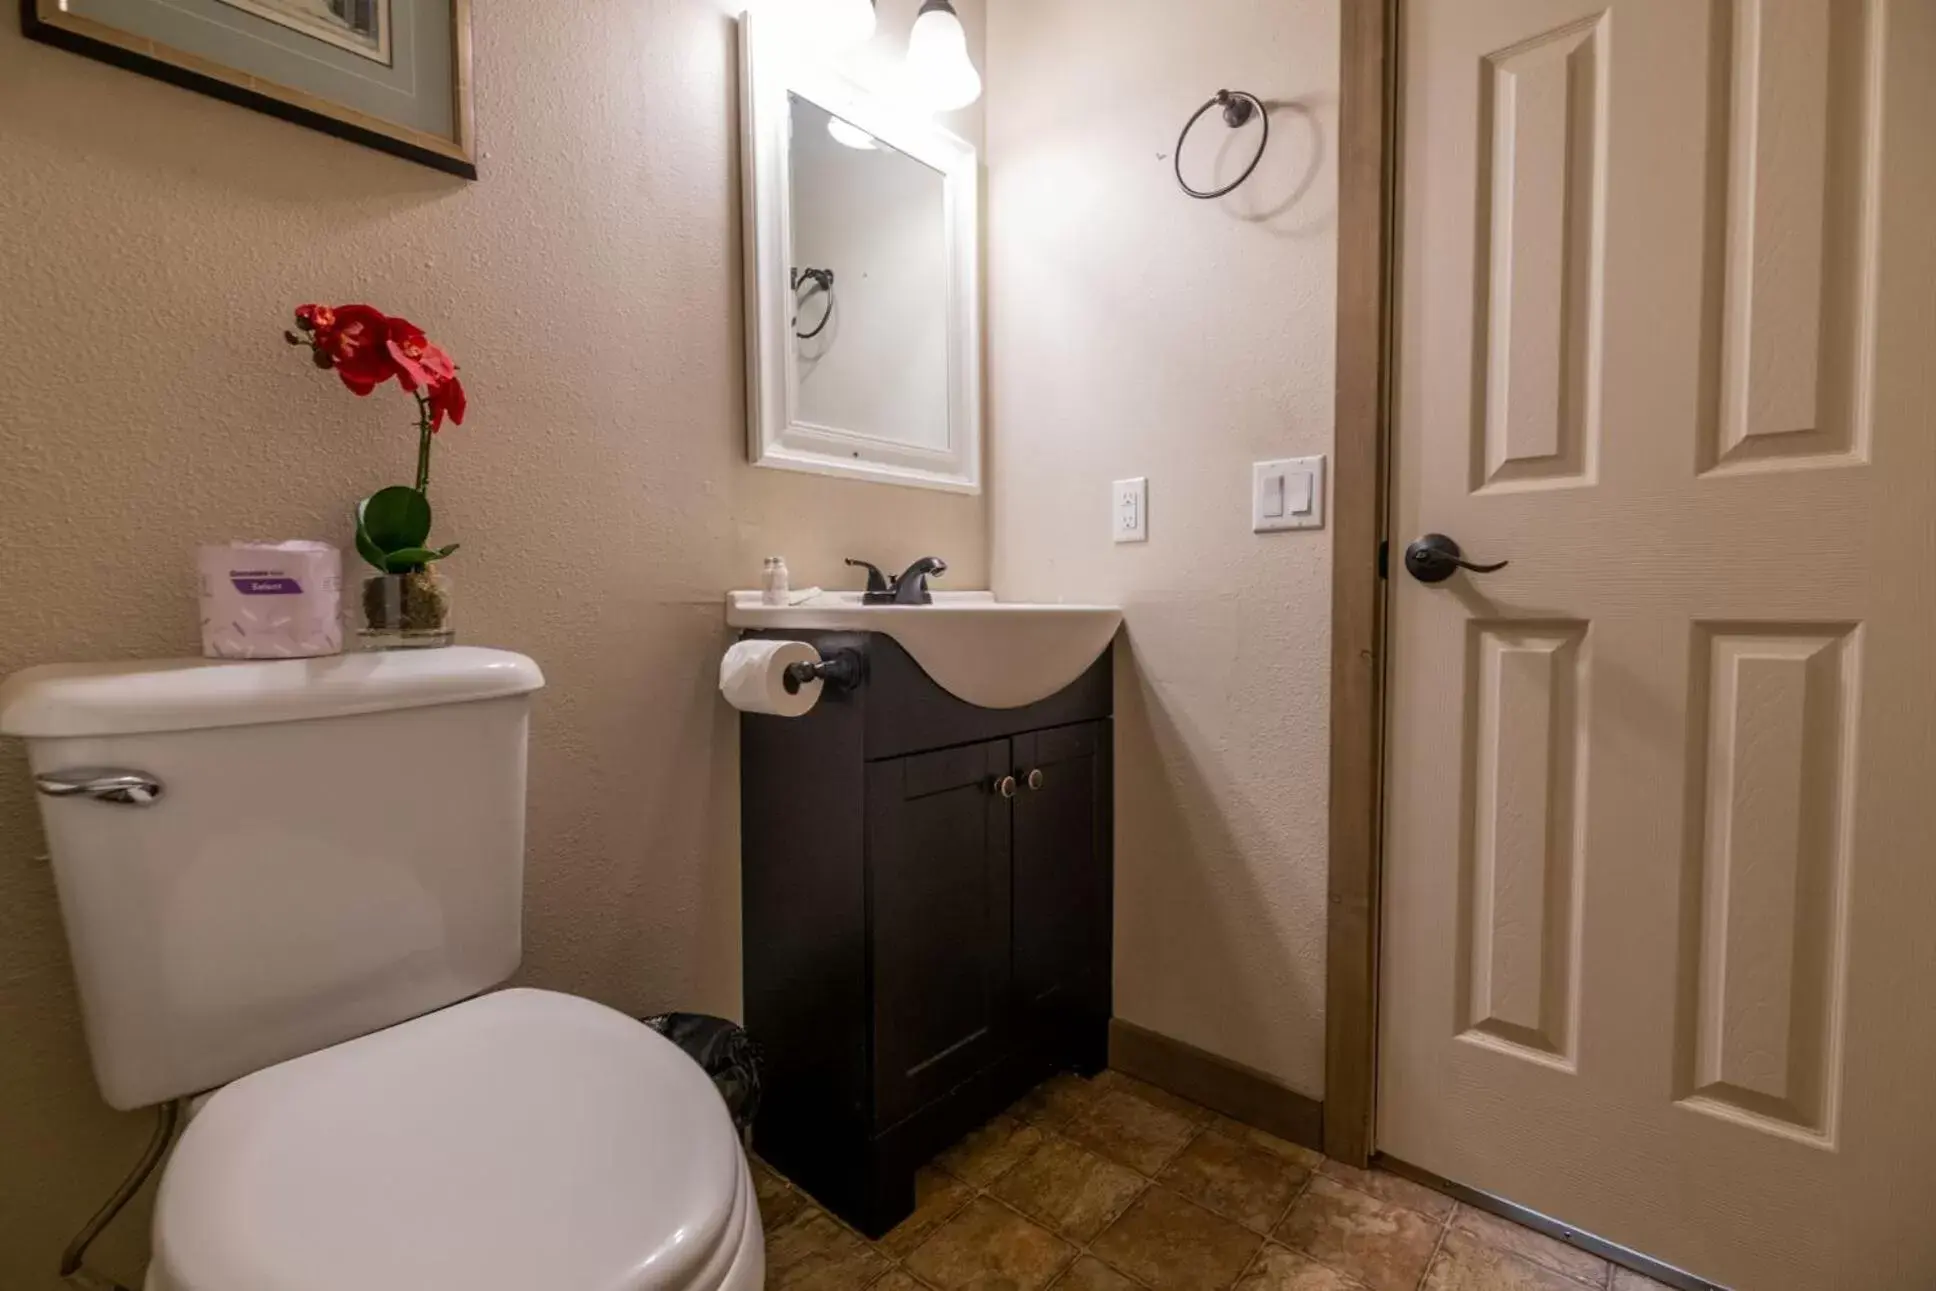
[(1129, 510), (1287, 494)]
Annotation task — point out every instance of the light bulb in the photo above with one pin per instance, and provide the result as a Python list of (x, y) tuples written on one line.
[(842, 24), (939, 69), (850, 134)]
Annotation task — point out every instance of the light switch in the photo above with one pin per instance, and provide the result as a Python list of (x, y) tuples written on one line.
[(1273, 497), (1287, 494), (1299, 485), (1129, 510)]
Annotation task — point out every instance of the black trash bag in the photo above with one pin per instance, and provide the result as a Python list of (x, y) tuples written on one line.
[(726, 1053)]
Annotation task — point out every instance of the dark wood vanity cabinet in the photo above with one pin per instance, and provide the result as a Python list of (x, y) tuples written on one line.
[(940, 862), (1063, 895), (927, 905)]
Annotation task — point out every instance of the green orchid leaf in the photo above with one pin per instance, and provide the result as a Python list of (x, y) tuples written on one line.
[(366, 546), (445, 551), (410, 558), (397, 518)]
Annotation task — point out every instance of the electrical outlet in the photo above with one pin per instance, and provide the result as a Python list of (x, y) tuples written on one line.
[(1129, 510)]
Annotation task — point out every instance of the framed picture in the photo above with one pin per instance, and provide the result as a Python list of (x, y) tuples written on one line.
[(392, 74)]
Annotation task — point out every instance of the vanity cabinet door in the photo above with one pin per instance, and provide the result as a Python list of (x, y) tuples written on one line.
[(1063, 899), (938, 912)]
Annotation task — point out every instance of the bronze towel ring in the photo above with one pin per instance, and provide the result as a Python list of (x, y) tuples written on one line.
[(1239, 106), (821, 279)]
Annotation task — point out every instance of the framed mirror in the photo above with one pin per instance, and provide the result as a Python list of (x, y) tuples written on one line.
[(862, 279)]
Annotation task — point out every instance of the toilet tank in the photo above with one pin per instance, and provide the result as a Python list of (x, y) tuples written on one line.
[(337, 845)]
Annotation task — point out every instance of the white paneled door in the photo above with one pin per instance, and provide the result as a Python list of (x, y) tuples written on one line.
[(1659, 939)]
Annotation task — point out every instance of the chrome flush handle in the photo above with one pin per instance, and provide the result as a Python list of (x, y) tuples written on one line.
[(103, 784)]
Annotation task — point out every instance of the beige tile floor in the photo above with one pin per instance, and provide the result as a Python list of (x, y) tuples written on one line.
[(1112, 1185)]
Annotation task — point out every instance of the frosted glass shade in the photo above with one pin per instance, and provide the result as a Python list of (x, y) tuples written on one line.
[(939, 69)]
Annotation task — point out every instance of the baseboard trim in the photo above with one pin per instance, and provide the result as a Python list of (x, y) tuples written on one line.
[(1239, 1092)]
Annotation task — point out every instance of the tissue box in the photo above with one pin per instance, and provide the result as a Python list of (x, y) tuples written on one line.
[(280, 600)]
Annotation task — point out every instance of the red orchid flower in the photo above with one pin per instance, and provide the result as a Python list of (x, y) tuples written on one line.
[(352, 340), (422, 365), (447, 399), (419, 363)]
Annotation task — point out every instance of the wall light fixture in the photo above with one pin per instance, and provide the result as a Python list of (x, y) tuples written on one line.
[(939, 69)]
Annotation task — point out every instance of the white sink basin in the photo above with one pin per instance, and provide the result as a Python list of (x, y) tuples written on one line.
[(990, 653)]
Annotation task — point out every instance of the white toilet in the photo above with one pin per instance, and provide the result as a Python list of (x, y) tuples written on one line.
[(278, 880)]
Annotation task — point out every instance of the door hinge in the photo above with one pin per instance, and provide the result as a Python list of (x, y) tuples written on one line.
[(1384, 558)]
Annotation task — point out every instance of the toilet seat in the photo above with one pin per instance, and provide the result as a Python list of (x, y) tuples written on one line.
[(520, 1141)]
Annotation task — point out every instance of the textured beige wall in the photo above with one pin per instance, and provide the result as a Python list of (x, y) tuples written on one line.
[(1137, 332), (151, 244)]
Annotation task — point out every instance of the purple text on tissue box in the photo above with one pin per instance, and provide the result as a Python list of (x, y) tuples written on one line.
[(257, 585)]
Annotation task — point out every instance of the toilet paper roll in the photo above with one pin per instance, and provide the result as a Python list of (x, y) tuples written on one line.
[(271, 600), (752, 676)]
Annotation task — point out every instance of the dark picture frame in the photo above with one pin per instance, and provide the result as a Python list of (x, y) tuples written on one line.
[(49, 22)]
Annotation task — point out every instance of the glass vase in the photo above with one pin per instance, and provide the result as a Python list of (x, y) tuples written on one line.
[(406, 611)]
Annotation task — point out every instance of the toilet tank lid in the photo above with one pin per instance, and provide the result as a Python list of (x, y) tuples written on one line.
[(65, 700)]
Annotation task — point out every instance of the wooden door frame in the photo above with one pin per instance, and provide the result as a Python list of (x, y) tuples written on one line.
[(1367, 181)]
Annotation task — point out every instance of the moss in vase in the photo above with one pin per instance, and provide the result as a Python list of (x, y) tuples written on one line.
[(417, 601)]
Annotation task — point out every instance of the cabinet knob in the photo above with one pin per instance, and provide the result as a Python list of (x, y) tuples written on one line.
[(1035, 778), (1005, 786)]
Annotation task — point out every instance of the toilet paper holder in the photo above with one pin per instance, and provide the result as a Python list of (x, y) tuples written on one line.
[(841, 670)]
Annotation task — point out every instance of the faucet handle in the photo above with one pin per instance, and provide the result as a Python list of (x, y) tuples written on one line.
[(876, 580)]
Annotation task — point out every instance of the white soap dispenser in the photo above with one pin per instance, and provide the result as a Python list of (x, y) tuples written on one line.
[(774, 582)]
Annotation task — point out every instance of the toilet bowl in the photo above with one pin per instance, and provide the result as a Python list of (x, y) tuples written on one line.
[(519, 1141)]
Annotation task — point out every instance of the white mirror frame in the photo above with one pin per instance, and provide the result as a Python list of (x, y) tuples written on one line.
[(776, 434)]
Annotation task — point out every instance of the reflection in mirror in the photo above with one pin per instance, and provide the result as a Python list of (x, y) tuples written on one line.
[(870, 279)]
